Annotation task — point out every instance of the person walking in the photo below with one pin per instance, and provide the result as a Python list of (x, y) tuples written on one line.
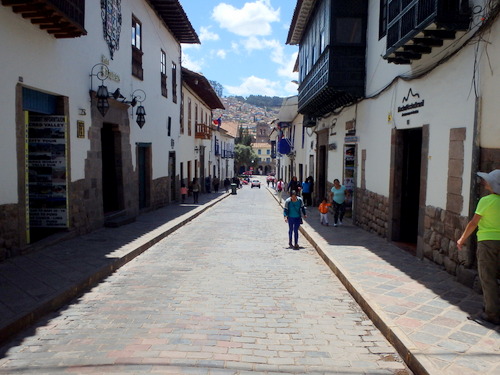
[(215, 183), (293, 211), (279, 189), (338, 195), (323, 208), (227, 184), (293, 185), (487, 218), (195, 188), (184, 192), (307, 192)]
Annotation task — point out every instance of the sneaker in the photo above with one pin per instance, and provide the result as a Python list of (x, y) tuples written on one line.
[(334, 225), (296, 247), (340, 222)]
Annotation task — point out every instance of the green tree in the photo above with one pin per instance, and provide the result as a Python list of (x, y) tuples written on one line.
[(244, 155), (244, 137)]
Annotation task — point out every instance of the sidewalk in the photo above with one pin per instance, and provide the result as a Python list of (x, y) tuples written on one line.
[(419, 307), (37, 283)]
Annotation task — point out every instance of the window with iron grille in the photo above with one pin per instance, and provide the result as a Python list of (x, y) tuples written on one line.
[(189, 117), (174, 82), (137, 53), (163, 74), (382, 21), (182, 114)]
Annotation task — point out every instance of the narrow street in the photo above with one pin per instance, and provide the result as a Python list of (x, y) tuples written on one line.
[(222, 295)]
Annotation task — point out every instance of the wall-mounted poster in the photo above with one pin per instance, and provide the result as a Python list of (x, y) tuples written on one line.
[(349, 165), (46, 165)]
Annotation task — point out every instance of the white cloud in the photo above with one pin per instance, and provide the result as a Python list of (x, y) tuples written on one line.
[(206, 34), (253, 19), (286, 68), (195, 66), (221, 53), (255, 86)]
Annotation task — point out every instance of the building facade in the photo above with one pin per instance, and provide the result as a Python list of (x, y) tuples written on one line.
[(408, 128), (200, 139), (90, 114)]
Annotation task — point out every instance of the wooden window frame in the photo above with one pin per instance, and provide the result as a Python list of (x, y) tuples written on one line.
[(137, 70)]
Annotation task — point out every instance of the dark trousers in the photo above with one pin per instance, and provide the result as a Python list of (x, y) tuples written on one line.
[(195, 196), (293, 229), (338, 211), (307, 199)]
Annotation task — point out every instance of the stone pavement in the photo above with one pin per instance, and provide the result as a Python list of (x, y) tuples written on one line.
[(223, 295), (417, 305), (420, 308), (34, 284)]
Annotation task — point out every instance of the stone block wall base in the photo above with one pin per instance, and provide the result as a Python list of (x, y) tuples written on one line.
[(371, 212)]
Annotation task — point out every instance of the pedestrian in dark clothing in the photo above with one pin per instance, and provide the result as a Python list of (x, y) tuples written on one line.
[(227, 184), (215, 183), (293, 185)]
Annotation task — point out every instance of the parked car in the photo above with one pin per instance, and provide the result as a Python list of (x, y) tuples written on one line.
[(255, 183)]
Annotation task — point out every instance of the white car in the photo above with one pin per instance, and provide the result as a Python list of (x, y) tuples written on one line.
[(255, 183)]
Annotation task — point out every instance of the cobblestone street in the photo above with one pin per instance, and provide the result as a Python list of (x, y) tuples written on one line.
[(221, 295)]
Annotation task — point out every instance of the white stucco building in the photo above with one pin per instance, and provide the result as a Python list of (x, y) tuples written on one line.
[(401, 97), (200, 139), (76, 155)]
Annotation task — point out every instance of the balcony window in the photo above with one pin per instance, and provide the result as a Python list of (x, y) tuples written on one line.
[(190, 123), (349, 30), (137, 70), (163, 74), (174, 82)]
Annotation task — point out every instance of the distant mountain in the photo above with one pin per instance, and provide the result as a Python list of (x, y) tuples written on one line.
[(261, 101)]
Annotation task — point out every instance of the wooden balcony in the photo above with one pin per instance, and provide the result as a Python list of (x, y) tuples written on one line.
[(336, 79), (60, 18), (203, 131), (415, 27)]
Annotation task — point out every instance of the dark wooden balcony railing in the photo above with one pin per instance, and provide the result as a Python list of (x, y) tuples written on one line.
[(435, 20), (336, 79), (60, 18), (203, 131)]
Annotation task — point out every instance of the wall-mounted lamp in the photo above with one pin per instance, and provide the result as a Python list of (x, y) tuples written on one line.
[(102, 95), (139, 96)]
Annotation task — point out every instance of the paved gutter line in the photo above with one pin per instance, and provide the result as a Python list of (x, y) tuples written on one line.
[(417, 362), (66, 296)]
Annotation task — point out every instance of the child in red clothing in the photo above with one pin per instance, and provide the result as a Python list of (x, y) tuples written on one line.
[(323, 212)]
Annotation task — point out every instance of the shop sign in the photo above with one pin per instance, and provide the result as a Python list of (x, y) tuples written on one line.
[(410, 104)]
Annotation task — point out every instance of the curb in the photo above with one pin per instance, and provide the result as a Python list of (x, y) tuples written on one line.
[(417, 363), (65, 297)]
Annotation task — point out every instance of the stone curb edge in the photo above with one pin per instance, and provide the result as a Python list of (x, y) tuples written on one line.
[(63, 298), (417, 363)]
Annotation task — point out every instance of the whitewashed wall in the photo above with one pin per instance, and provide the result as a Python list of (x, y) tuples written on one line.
[(62, 67)]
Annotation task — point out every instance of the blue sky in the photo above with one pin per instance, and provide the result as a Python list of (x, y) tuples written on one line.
[(243, 45)]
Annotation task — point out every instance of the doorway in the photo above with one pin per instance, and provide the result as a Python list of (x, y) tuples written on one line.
[(112, 179), (144, 174), (172, 174), (406, 186)]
